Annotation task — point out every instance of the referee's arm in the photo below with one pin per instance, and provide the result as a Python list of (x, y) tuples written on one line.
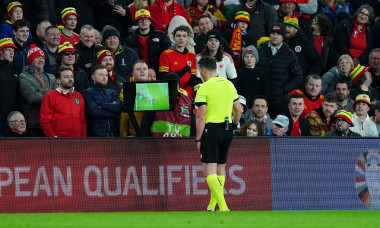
[(237, 113), (201, 119)]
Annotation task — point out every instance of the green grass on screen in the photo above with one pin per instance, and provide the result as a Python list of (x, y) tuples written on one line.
[(196, 219)]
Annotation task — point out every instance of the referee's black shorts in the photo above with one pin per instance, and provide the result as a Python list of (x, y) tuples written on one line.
[(215, 143)]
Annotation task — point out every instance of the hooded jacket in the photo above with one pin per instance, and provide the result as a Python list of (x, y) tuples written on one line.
[(34, 84), (157, 43)]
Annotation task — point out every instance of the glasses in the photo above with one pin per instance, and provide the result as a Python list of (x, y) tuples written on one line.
[(364, 14), (18, 121), (340, 120), (69, 53)]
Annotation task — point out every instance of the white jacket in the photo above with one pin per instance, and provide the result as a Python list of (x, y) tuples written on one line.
[(224, 68), (366, 128)]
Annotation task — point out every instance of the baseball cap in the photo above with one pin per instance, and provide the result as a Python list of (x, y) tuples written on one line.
[(281, 120)]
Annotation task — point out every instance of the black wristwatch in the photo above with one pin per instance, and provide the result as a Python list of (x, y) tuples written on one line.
[(197, 140)]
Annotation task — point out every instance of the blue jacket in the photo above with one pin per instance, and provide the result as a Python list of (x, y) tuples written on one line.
[(270, 133), (125, 57), (7, 31), (20, 57), (103, 108), (340, 13)]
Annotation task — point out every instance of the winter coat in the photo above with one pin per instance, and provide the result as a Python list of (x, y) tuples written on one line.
[(308, 57), (50, 60), (62, 115), (319, 125), (87, 55), (338, 15), (103, 108), (284, 74), (251, 83), (9, 94), (20, 57), (303, 124), (157, 43), (7, 31), (366, 128), (32, 91), (125, 57), (343, 37), (336, 133)]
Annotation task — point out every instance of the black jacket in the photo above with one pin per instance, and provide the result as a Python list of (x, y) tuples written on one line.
[(283, 73), (342, 39), (158, 42), (308, 57), (9, 83), (251, 83), (304, 125), (282, 69), (86, 55), (329, 54), (262, 17), (103, 108), (107, 16), (336, 133)]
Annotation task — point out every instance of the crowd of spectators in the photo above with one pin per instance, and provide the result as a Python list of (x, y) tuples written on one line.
[(301, 67)]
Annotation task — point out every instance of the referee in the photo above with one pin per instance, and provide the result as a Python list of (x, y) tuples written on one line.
[(216, 98)]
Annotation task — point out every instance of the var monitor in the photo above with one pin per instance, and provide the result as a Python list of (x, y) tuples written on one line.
[(150, 96)]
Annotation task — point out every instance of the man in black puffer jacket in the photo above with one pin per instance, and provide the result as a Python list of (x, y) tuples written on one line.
[(281, 66)]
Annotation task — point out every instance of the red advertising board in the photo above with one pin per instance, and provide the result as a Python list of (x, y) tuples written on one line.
[(109, 175)]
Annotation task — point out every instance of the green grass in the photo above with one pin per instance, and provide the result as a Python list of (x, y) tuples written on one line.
[(196, 219)]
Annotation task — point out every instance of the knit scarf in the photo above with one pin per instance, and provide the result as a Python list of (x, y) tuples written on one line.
[(236, 44), (165, 12), (113, 76)]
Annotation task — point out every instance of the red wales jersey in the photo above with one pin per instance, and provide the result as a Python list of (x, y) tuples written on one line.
[(174, 61)]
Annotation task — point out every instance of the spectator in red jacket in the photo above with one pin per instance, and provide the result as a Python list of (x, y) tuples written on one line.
[(163, 11), (62, 109)]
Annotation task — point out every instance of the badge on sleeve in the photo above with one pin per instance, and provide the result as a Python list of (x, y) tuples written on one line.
[(298, 48)]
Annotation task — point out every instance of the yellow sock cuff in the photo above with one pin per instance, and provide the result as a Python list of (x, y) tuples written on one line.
[(211, 177)]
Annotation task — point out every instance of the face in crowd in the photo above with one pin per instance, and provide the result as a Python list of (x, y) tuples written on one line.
[(66, 79), (100, 77), (259, 108), (296, 106)]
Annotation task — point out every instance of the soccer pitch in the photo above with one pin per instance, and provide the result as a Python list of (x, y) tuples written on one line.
[(152, 97), (196, 219)]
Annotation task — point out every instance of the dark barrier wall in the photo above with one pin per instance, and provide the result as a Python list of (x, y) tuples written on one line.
[(70, 175)]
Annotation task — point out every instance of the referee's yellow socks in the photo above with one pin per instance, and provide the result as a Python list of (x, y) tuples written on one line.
[(213, 202), (217, 191)]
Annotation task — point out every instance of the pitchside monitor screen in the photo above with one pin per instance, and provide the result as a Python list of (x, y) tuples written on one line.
[(150, 96)]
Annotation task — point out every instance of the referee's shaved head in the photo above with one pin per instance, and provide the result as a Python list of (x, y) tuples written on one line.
[(207, 63)]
